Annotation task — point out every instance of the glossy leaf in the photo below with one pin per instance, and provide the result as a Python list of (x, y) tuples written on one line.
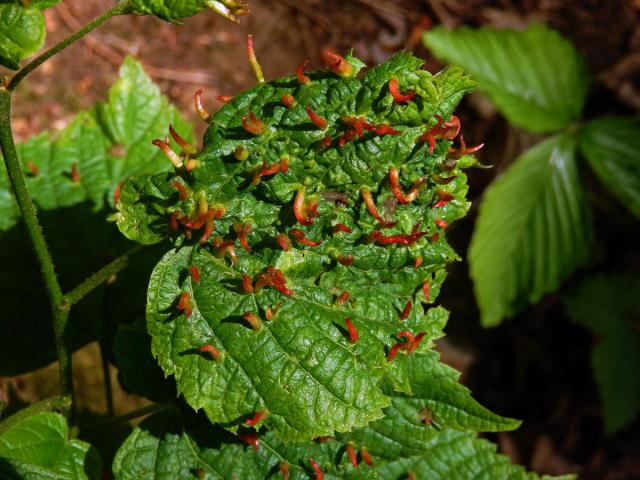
[(105, 148), (607, 306), (22, 33), (277, 348), (534, 76), (612, 147), (532, 232), (35, 444)]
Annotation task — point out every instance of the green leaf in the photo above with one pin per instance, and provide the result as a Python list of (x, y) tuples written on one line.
[(179, 444), (532, 232), (611, 146), (535, 77), (35, 444), (172, 10), (22, 33), (305, 351), (606, 305), (106, 144)]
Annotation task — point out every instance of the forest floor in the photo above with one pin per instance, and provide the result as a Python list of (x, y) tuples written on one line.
[(536, 366)]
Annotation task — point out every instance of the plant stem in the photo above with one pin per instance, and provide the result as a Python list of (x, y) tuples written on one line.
[(29, 215), (98, 278), (120, 9)]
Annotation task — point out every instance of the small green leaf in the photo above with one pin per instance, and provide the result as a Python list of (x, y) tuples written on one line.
[(36, 445), (607, 305), (22, 33), (106, 145), (532, 232), (172, 10), (612, 147), (535, 77)]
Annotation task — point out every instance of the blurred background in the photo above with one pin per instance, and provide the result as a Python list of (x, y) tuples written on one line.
[(535, 366)]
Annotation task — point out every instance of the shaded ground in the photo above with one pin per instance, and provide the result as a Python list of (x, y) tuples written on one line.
[(535, 367)]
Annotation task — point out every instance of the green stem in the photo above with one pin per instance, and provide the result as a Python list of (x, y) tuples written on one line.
[(98, 278), (120, 9), (28, 211)]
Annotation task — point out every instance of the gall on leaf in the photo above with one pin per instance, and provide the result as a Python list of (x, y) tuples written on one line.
[(212, 352), (186, 146), (224, 98), (456, 153), (443, 199), (288, 100), (305, 213), (299, 236), (272, 277), (316, 468), (33, 168), (399, 239), (250, 438), (75, 175), (194, 271), (183, 191), (353, 333), (257, 418), (345, 260), (351, 453), (243, 230), (302, 78), (284, 241), (372, 209), (407, 311), (441, 223), (116, 192), (253, 60), (184, 304), (447, 130), (199, 106), (173, 157), (247, 284), (366, 456), (425, 291), (319, 121), (342, 298), (397, 96), (417, 262), (337, 63), (284, 469), (253, 124), (341, 227), (396, 189), (253, 320)]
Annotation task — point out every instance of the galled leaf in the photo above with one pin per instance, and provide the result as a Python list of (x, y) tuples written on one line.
[(535, 77), (532, 232), (314, 220)]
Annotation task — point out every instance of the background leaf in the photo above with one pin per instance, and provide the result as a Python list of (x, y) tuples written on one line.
[(35, 444), (612, 147), (106, 145), (607, 305), (535, 77), (22, 33), (532, 232)]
